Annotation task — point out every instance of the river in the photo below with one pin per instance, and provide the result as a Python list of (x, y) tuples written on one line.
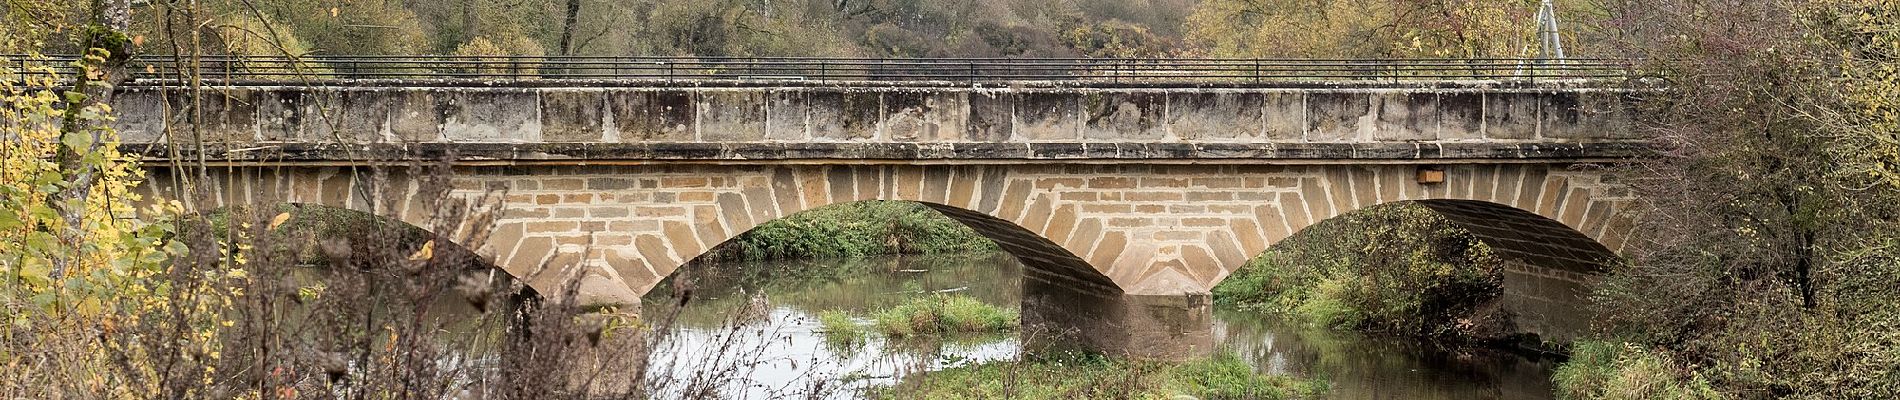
[(752, 331)]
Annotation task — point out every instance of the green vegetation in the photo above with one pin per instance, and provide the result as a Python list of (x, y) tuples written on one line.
[(853, 230), (924, 316), (1601, 370), (1398, 268), (1087, 376), (1768, 258)]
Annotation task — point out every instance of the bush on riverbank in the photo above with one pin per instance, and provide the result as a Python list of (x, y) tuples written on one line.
[(1767, 251), (1397, 268), (1088, 376), (850, 230)]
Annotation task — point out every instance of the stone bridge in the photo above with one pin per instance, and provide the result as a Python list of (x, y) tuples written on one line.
[(1118, 192)]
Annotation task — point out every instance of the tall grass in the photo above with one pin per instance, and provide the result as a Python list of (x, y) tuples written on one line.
[(1601, 370), (1093, 376)]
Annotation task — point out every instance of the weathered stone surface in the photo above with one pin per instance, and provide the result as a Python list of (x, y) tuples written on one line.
[(787, 115), (1511, 115), (1222, 116), (141, 115), (1405, 117), (489, 117), (1046, 117), (1122, 116), (1338, 117), (731, 116), (654, 116), (414, 118), (572, 116)]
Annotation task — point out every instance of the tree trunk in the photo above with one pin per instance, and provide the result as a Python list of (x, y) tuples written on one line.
[(93, 85), (567, 28)]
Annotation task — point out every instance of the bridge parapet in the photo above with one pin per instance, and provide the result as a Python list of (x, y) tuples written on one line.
[(798, 121)]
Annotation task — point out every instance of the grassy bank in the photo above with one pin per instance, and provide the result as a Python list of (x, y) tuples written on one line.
[(857, 229), (1083, 376), (1399, 269)]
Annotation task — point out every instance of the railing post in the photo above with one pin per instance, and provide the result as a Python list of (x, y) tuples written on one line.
[(1256, 71), (972, 75)]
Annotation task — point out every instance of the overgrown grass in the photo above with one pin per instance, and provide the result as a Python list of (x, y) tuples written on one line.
[(1601, 370), (923, 316), (851, 230), (1089, 376), (940, 314)]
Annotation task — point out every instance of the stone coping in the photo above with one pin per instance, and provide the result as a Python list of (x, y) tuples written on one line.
[(1423, 152)]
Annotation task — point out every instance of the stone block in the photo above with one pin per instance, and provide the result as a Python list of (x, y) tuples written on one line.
[(485, 116), (843, 116), (1123, 116), (731, 116), (786, 114), (141, 116), (1284, 115), (1046, 117), (1216, 116), (1337, 117), (991, 117), (653, 116), (1588, 116), (1511, 115), (282, 115), (924, 116), (362, 116), (414, 116), (572, 115), (1460, 116), (1405, 117)]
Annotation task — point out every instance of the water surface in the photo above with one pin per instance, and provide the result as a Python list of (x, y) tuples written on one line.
[(751, 331)]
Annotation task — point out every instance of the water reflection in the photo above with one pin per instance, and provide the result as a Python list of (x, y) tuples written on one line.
[(783, 353), (1360, 366)]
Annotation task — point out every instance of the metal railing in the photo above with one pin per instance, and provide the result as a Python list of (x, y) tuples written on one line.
[(972, 70)]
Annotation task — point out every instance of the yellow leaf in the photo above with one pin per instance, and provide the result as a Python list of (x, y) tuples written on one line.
[(279, 220), (427, 251), (333, 12)]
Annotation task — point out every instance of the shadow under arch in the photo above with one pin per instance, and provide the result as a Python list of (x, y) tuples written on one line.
[(1526, 236), (1066, 304), (1043, 260), (1547, 266)]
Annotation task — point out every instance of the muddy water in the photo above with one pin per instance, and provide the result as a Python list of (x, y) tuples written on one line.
[(750, 330)]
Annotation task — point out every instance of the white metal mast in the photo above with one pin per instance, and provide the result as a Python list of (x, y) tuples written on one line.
[(1550, 40)]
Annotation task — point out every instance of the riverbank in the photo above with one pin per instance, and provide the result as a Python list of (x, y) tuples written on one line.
[(852, 230), (1085, 376)]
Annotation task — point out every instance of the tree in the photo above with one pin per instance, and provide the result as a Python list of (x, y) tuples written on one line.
[(1382, 29)]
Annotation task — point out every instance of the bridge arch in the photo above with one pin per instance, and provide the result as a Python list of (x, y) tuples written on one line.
[(988, 199), (1557, 217), (459, 221)]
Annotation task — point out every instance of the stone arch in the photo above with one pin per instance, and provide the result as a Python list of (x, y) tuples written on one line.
[(460, 218), (988, 199), (1552, 215)]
